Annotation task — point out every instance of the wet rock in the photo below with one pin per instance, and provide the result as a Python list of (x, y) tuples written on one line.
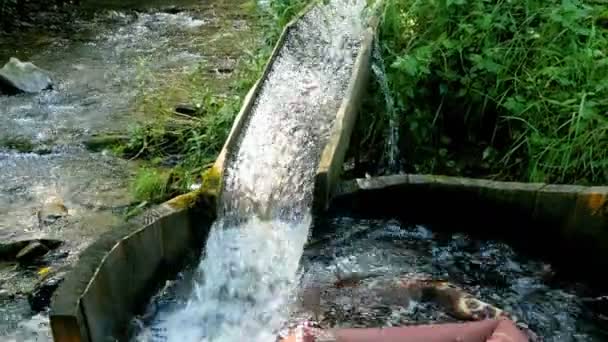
[(35, 249), (16, 250), (10, 249), (51, 212), (23, 77), (40, 298), (31, 252)]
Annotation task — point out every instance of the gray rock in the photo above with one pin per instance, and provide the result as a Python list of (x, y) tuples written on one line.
[(31, 252), (10, 250), (23, 77)]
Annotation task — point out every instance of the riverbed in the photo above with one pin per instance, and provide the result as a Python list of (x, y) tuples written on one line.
[(116, 54)]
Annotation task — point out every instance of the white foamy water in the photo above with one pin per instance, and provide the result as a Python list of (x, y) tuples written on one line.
[(248, 274)]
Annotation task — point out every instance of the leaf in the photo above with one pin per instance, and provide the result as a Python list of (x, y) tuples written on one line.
[(455, 2), (406, 63), (487, 153), (515, 104), (44, 271)]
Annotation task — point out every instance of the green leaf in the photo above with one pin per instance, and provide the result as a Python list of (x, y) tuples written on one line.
[(515, 105), (406, 63)]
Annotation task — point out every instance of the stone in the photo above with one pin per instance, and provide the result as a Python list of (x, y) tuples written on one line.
[(51, 212), (23, 77), (31, 252), (10, 250)]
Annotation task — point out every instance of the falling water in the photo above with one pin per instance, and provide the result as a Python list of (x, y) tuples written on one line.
[(392, 144), (249, 269)]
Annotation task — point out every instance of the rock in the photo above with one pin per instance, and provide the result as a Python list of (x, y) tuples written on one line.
[(51, 212), (10, 250), (23, 77), (31, 252), (40, 298)]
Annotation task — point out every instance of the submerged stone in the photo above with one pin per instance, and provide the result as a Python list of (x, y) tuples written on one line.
[(23, 77)]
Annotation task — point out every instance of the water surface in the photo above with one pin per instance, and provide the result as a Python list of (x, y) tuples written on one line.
[(105, 64)]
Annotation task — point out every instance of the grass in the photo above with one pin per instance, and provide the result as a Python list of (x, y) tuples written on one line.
[(189, 144), (150, 185), (506, 89)]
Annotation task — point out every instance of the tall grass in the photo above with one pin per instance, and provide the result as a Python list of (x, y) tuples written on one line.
[(509, 89)]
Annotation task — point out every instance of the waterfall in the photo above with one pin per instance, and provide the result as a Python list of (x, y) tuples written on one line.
[(248, 272), (392, 142)]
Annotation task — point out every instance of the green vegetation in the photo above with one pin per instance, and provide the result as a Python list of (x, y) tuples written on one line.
[(19, 144), (190, 143), (505, 89), (150, 185)]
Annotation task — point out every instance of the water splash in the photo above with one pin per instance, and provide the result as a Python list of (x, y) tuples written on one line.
[(244, 286), (249, 270), (392, 144)]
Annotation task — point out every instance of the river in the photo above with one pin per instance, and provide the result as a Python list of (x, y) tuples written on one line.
[(116, 52)]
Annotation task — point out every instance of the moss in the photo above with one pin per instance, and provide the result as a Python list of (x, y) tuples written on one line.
[(184, 201), (212, 180), (20, 144), (105, 141)]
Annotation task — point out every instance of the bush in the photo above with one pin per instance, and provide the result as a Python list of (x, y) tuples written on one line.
[(508, 89)]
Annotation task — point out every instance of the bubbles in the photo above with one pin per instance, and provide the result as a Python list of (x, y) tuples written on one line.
[(291, 119), (553, 311), (249, 272)]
